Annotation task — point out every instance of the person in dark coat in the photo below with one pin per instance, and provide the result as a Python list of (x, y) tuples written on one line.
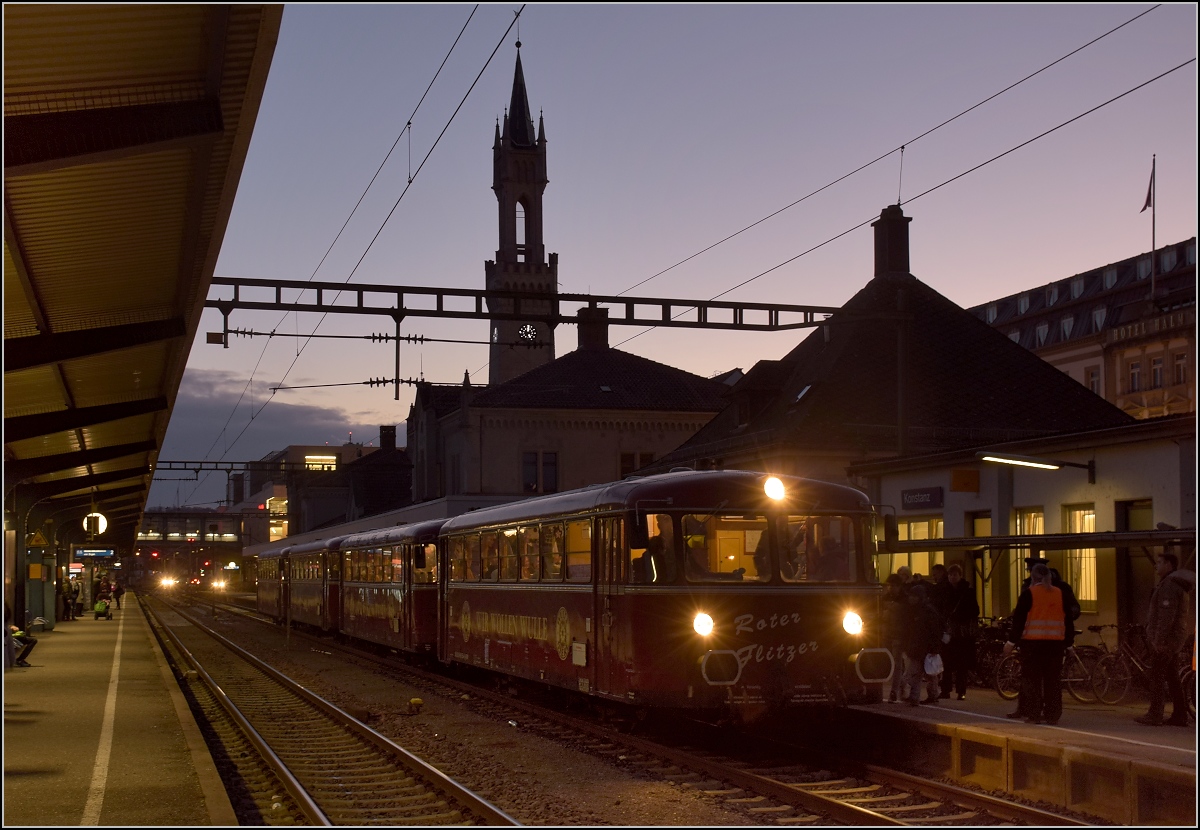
[(1041, 624), (962, 617), (1168, 625), (893, 624), (921, 635)]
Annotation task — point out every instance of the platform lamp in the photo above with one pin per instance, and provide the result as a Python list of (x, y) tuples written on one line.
[(1037, 463)]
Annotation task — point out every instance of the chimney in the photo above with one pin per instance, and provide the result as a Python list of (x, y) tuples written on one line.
[(387, 437), (593, 328), (891, 241)]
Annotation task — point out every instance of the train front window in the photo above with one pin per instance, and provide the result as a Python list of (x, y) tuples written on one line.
[(820, 549), (727, 548)]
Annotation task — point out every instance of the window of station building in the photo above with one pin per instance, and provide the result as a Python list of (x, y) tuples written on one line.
[(1030, 521), (1156, 373), (1110, 277), (1167, 260), (632, 461), (579, 551), (530, 467), (1065, 326), (1022, 304), (1052, 295), (1135, 376), (1098, 316), (1043, 330), (529, 472), (1077, 288), (1092, 374), (1080, 564), (1180, 367), (912, 529), (1144, 266)]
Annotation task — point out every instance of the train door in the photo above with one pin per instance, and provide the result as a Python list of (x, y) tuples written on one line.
[(333, 588), (610, 558)]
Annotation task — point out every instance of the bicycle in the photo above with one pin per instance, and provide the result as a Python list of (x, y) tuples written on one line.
[(1076, 674), (1113, 674), (989, 649)]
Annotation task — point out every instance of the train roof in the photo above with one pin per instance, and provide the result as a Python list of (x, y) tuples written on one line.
[(414, 532), (678, 490)]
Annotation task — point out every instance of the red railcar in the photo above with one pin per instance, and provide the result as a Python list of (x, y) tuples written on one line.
[(389, 590), (689, 589)]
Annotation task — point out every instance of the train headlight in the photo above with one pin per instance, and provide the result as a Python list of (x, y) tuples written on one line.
[(852, 623), (774, 488), (703, 624)]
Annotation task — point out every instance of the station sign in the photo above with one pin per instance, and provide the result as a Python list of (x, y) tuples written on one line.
[(923, 498), (94, 553)]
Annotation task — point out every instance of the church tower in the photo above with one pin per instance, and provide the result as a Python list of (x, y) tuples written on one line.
[(518, 179)]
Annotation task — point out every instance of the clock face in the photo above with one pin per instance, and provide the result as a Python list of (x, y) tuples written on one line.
[(528, 332)]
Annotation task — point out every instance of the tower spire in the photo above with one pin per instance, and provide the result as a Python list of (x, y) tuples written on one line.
[(520, 123)]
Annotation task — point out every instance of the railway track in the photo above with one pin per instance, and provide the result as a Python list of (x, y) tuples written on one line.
[(325, 767), (758, 777)]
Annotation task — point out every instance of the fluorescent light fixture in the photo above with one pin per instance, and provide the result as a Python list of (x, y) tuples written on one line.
[(1038, 463)]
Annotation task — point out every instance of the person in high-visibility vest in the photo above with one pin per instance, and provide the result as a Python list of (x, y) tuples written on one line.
[(1040, 623)]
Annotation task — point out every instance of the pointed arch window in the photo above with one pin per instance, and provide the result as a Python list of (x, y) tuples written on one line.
[(520, 230)]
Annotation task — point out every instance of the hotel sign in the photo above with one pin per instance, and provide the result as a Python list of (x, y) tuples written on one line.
[(1157, 325), (921, 499)]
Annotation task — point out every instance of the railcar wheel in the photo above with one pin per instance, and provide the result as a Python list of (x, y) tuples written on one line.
[(1008, 677)]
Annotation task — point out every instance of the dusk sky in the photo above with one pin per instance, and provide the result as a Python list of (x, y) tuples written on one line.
[(670, 128)]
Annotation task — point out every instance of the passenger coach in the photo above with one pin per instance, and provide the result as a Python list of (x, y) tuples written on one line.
[(688, 589)]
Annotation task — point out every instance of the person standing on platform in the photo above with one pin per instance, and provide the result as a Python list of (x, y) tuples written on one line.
[(963, 621), (118, 592), (1040, 623), (1167, 628), (893, 626), (76, 596), (922, 635)]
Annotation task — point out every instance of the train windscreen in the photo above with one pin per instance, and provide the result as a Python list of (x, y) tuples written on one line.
[(819, 549)]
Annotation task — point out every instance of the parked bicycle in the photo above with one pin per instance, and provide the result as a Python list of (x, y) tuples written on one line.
[(1113, 675), (989, 648), (1076, 673)]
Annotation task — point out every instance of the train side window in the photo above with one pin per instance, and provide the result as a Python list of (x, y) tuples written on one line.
[(509, 561), (531, 555), (657, 561), (397, 556), (552, 552), (424, 563), (458, 561), (579, 551), (472, 558), (490, 556)]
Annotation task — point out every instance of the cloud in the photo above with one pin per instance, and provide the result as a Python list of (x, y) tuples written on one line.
[(211, 421)]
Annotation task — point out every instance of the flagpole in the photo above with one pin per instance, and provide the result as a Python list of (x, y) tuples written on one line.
[(1153, 210)]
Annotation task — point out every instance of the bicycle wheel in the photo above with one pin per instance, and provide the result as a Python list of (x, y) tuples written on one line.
[(1111, 678), (1077, 677), (1008, 677), (1187, 677)]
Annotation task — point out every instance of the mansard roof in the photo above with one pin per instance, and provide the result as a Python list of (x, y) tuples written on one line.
[(606, 379), (963, 384), (1085, 305)]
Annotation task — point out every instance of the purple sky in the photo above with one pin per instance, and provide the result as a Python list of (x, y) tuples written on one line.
[(670, 128)]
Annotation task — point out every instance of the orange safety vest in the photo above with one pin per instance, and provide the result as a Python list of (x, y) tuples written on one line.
[(1046, 620)]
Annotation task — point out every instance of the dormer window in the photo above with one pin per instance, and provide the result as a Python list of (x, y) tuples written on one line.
[(991, 313), (1043, 329), (1098, 315), (1052, 295), (1191, 253), (1065, 326), (1022, 304), (1143, 268), (1076, 288), (1015, 335), (1167, 260), (1110, 277)]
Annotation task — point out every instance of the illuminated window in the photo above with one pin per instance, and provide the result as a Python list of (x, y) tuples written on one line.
[(1080, 564), (1031, 521), (320, 462)]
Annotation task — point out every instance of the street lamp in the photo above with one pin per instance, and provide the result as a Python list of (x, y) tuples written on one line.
[(1037, 463)]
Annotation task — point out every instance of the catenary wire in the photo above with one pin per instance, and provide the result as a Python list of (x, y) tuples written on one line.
[(935, 187)]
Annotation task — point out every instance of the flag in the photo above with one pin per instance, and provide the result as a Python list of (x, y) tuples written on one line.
[(1149, 192)]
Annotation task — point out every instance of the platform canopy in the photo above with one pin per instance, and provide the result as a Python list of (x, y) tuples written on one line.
[(125, 131)]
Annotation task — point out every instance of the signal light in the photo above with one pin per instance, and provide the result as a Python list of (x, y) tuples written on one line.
[(154, 554)]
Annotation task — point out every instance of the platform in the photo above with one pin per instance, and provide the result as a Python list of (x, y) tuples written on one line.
[(96, 732), (1098, 760)]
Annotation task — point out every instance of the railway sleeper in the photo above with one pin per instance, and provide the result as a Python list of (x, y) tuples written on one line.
[(388, 787), (870, 788), (957, 817), (908, 808), (877, 799), (801, 819), (780, 809), (392, 810)]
